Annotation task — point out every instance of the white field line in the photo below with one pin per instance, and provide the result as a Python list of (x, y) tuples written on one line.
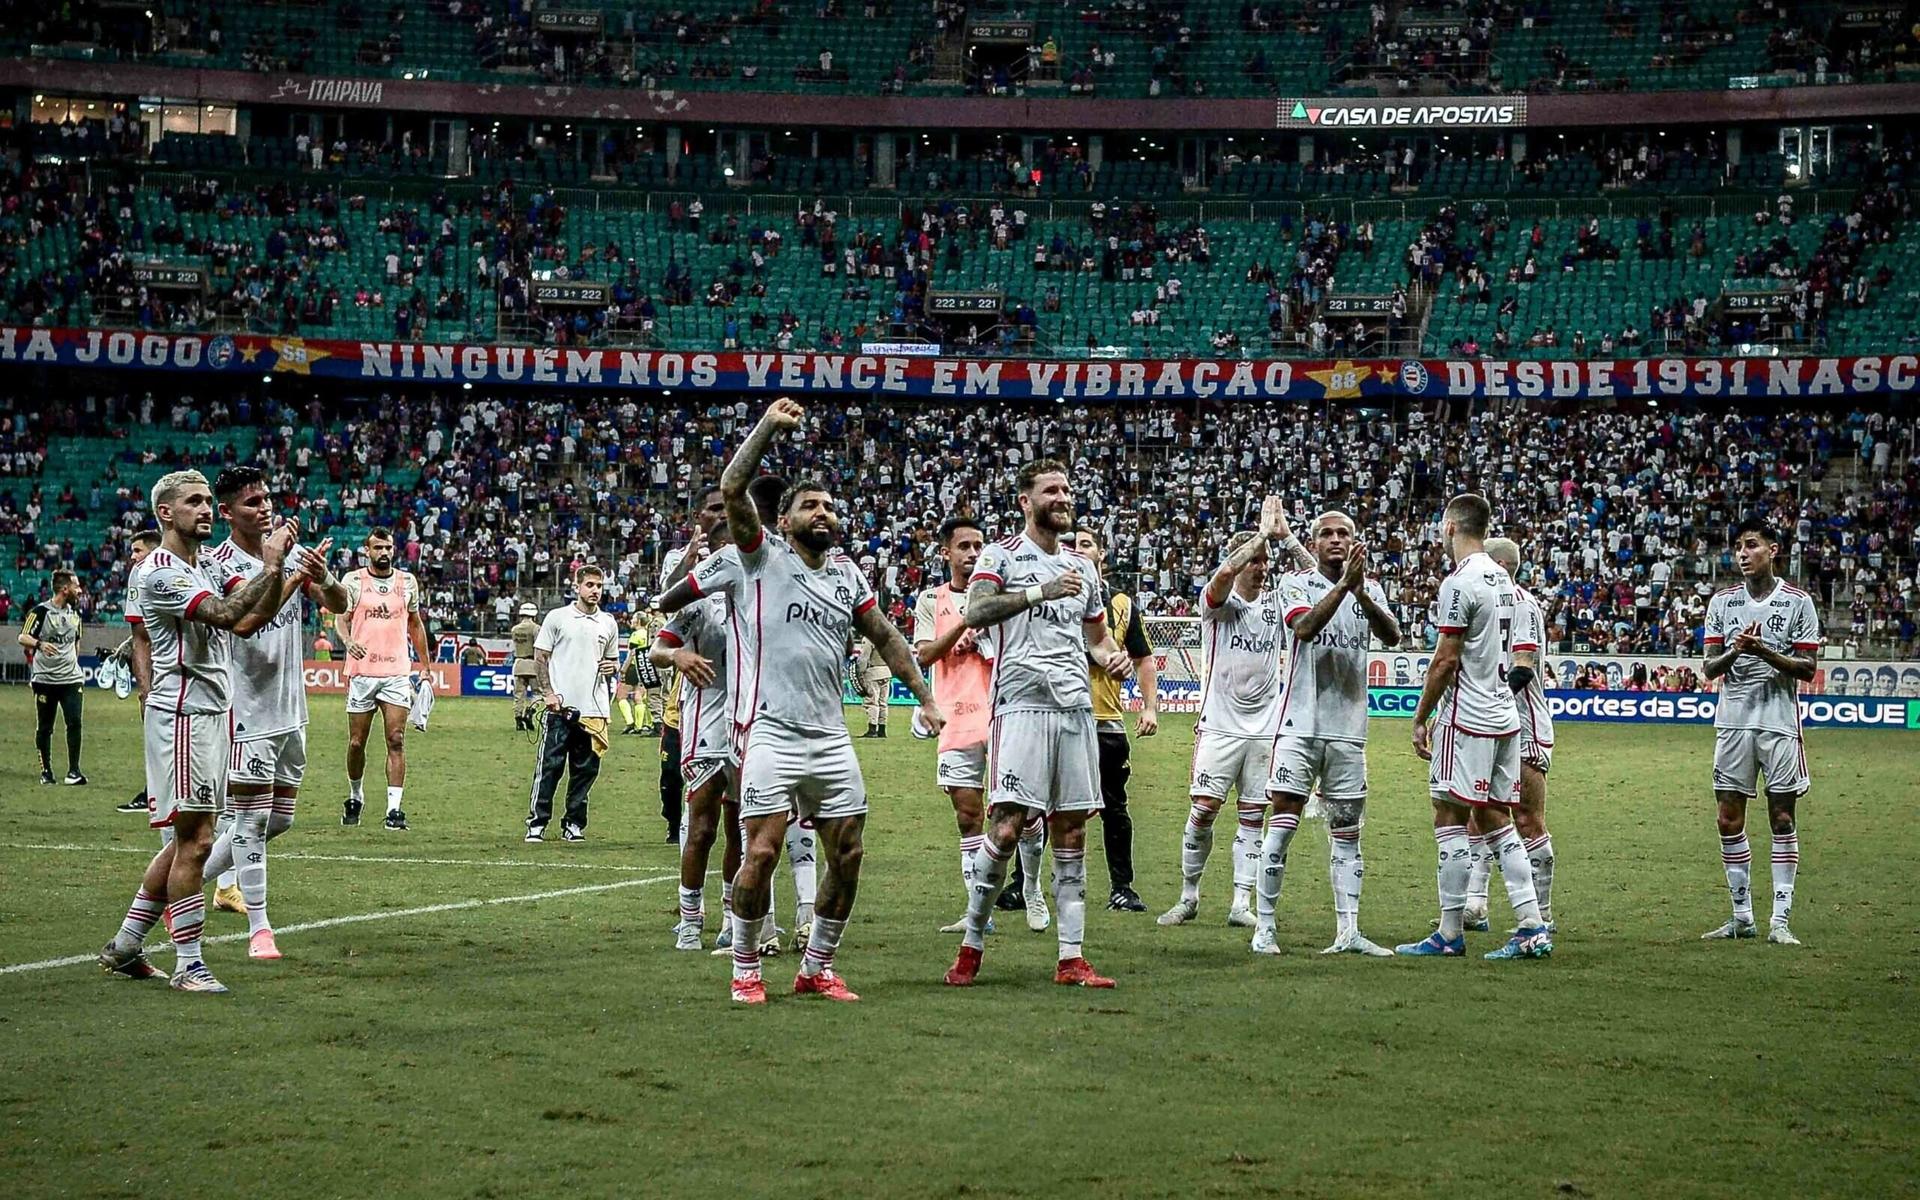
[(283, 855), (75, 960)]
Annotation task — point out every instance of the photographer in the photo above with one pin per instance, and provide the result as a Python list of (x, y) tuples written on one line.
[(575, 657)]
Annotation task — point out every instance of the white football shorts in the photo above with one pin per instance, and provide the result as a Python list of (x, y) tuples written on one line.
[(814, 774), (1740, 756), (1222, 762), (1045, 759), (1339, 769), (1470, 769), (187, 759)]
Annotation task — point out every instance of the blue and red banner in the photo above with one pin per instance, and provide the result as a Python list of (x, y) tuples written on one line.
[(942, 378)]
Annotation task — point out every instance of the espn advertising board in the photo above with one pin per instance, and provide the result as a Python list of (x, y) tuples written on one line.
[(942, 377)]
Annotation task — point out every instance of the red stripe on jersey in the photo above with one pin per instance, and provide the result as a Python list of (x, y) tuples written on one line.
[(864, 605), (195, 603), (667, 637), (987, 575), (759, 539), (1293, 614), (1452, 628)]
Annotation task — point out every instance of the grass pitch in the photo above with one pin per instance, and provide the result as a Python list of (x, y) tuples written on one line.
[(558, 1045)]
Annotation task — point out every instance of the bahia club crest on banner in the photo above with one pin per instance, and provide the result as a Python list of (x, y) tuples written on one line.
[(944, 378)]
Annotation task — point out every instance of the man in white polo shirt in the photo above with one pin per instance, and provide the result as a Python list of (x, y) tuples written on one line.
[(574, 658)]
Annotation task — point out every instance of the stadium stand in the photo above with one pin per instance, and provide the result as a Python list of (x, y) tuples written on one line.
[(1119, 48), (1554, 276), (496, 495)]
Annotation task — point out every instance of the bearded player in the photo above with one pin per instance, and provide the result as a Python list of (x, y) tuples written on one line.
[(797, 601), (1036, 595), (1329, 613), (381, 618)]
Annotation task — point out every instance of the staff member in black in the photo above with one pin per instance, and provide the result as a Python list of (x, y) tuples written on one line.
[(52, 639)]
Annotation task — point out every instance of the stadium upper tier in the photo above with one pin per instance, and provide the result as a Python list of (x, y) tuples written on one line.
[(323, 259), (1121, 48), (1624, 514)]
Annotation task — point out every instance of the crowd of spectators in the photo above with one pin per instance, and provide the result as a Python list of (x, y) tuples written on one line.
[(1623, 514)]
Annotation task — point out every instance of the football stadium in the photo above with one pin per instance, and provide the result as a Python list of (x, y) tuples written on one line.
[(480, 482)]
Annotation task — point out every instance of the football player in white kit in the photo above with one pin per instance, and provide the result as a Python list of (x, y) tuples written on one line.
[(962, 680), (1473, 745), (1524, 677), (185, 724), (1239, 710), (694, 643), (269, 757), (796, 601), (1037, 596), (1330, 613), (1763, 640)]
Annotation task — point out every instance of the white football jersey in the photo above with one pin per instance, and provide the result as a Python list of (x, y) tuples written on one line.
[(269, 692), (1240, 678), (1752, 694), (1040, 653), (189, 657), (1326, 694), (1530, 633), (791, 628), (706, 715), (1477, 601)]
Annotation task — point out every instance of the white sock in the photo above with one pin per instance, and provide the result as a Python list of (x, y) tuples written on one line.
[(692, 907), (219, 866), (1246, 850), (1344, 869), (1540, 858), (1273, 866), (356, 791), (1033, 843), (250, 859), (989, 876), (1517, 874), (1479, 872), (804, 862), (1786, 866), (746, 947), (969, 846), (393, 799), (1195, 845), (219, 859), (1070, 900), (1737, 857), (1456, 853), (821, 945)]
